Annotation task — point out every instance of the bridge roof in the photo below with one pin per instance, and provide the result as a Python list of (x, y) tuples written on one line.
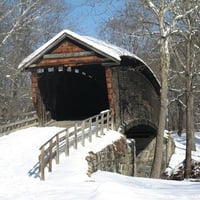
[(114, 53), (99, 46)]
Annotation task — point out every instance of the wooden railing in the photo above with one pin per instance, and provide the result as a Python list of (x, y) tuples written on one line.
[(63, 140), (29, 119)]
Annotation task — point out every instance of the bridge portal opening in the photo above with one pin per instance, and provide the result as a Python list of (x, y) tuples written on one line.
[(73, 93), (143, 135)]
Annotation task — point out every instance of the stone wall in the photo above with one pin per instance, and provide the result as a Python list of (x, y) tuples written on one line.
[(144, 159), (118, 157)]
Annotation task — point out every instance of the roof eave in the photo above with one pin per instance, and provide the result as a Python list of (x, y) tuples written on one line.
[(26, 64), (28, 61)]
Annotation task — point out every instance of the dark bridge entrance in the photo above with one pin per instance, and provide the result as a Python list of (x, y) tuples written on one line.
[(141, 131), (143, 135), (73, 93)]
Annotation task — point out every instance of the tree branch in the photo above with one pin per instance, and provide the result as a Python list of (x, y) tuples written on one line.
[(152, 7)]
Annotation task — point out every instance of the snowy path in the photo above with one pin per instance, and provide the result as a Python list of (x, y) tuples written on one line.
[(19, 153), (68, 181)]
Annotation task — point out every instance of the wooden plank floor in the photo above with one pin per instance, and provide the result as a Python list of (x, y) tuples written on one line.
[(65, 124)]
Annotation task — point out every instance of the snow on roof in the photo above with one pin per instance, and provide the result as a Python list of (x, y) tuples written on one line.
[(95, 44), (99, 46)]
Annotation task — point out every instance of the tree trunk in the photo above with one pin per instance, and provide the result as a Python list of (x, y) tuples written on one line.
[(190, 142), (189, 134), (157, 163), (180, 118)]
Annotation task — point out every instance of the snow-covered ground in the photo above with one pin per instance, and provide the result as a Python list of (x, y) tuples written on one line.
[(19, 173), (179, 156)]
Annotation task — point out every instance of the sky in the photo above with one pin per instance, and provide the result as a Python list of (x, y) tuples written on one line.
[(90, 17), (68, 181)]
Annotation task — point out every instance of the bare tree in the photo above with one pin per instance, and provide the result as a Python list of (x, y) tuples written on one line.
[(169, 15), (187, 58), (162, 21), (161, 13), (135, 29), (25, 24)]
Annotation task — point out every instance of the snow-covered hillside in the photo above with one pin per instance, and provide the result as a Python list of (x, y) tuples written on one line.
[(19, 174)]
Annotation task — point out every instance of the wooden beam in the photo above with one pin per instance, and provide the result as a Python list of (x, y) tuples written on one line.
[(69, 61), (34, 87), (109, 64), (109, 83), (69, 55), (67, 46)]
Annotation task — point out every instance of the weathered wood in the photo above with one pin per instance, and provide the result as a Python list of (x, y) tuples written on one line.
[(69, 55), (67, 143), (34, 87), (75, 136), (67, 46), (97, 125), (29, 119), (83, 133), (90, 130), (57, 149), (50, 156), (69, 61), (51, 149), (107, 121), (108, 73), (42, 164), (102, 122)]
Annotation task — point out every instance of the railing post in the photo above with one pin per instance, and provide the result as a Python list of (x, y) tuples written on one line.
[(57, 149), (102, 122), (108, 120), (90, 129), (97, 125), (75, 136), (67, 143), (83, 133), (112, 119), (50, 156), (42, 164)]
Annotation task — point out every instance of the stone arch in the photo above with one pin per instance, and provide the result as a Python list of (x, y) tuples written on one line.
[(139, 128)]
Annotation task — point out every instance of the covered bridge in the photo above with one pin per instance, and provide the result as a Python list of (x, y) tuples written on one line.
[(74, 77)]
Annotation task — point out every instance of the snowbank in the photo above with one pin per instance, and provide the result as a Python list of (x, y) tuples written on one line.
[(68, 181)]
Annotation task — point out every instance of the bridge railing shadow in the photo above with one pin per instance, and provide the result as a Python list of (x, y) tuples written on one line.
[(35, 171)]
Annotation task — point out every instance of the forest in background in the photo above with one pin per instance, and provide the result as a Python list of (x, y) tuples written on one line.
[(165, 33), (25, 25)]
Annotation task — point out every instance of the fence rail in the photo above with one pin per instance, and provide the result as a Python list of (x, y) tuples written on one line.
[(29, 119), (70, 137)]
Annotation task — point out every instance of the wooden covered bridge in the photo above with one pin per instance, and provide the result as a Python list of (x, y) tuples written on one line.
[(75, 77)]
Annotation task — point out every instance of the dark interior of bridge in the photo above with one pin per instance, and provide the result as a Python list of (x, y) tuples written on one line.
[(143, 135), (70, 93)]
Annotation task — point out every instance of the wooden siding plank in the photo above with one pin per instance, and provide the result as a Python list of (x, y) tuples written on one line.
[(34, 86), (69, 55), (69, 61), (108, 72), (66, 46)]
